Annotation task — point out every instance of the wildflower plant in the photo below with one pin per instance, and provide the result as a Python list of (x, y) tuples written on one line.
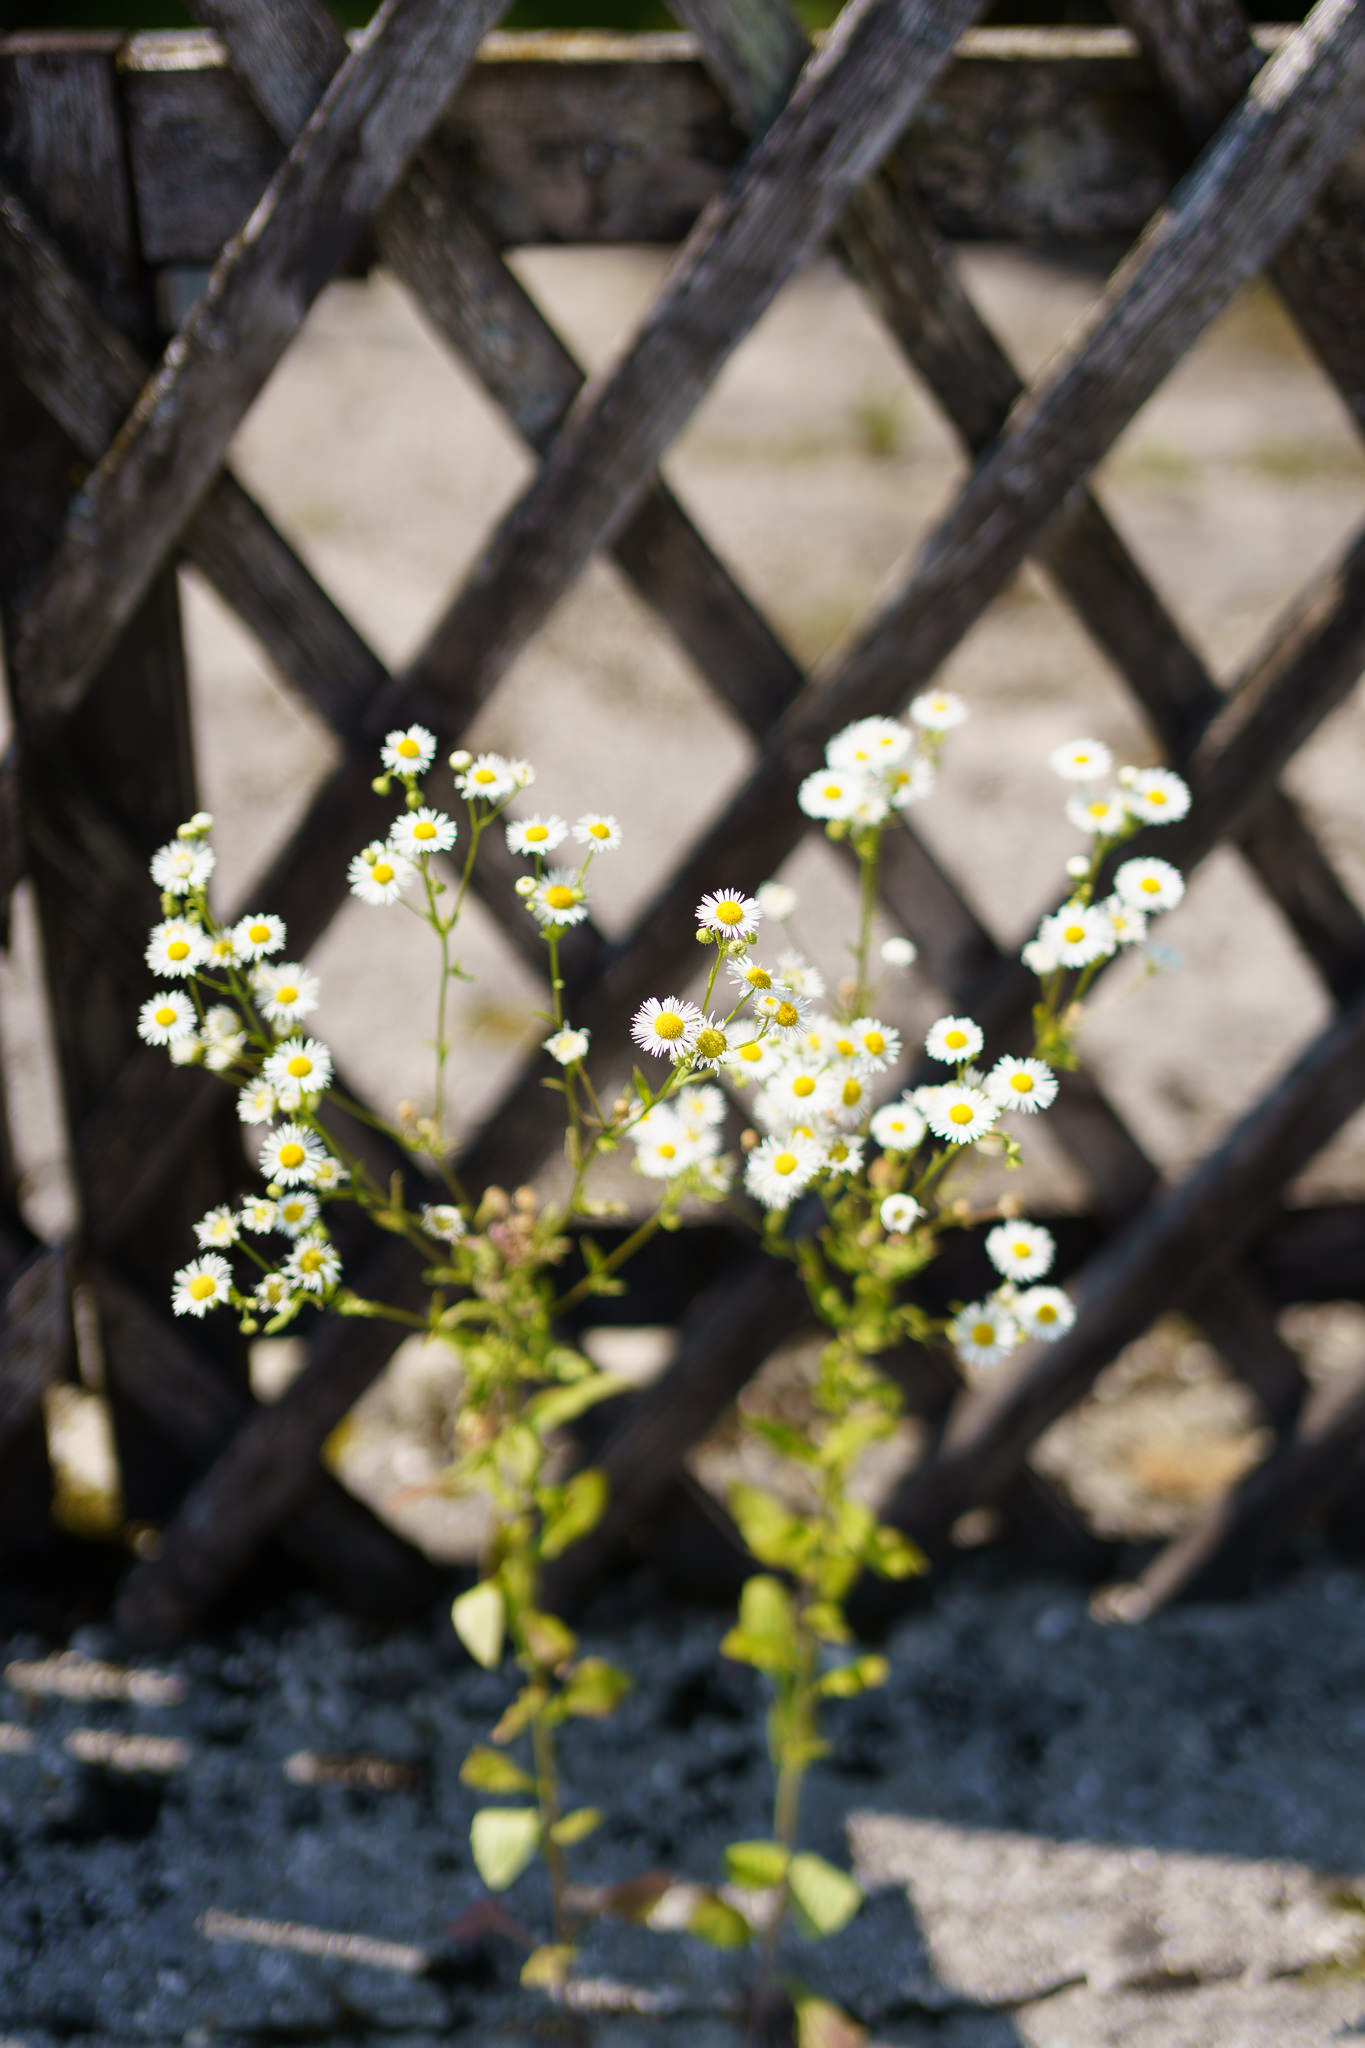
[(231, 1001)]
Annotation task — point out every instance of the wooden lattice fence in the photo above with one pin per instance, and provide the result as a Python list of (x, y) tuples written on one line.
[(276, 155)]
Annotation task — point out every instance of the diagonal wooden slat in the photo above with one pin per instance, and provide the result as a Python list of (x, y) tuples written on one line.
[(124, 523)]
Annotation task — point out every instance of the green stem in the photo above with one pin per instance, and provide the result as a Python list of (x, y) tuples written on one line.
[(547, 1793), (625, 1250), (869, 856)]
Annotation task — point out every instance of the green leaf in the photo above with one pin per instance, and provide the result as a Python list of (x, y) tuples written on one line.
[(714, 1920), (766, 1635), (893, 1556), (546, 1969), (772, 1532), (550, 1641), (594, 1689), (517, 1717), (825, 1898), (577, 1508), (861, 1675), (786, 1441), (756, 1866), (575, 1827), (551, 1410), (486, 1771), (480, 1618), (824, 1621), (854, 1434), (503, 1839), (822, 2024)]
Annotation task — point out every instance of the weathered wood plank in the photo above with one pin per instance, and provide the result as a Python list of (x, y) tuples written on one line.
[(124, 523), (1177, 1249)]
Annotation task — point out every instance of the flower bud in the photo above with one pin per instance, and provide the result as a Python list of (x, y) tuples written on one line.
[(460, 759)]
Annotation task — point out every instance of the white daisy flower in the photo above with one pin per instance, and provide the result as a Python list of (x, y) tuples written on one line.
[(272, 1294), (869, 743), (1078, 933), (783, 1009), (187, 1051), (984, 1333), (909, 782), (879, 1045), (1149, 884), (899, 952), (1081, 760), (298, 1067), (410, 752), (1040, 958), (754, 1053), (443, 1220), (379, 875), (535, 835), (1045, 1312), (257, 935), (871, 808), (1021, 1084), (291, 1155), (710, 1045), (960, 1114), (1103, 817), (566, 1045), (666, 1027), (216, 1230), (953, 1040), (1021, 1251), (797, 1095), (314, 1265), (937, 710), (599, 831), (182, 867), (422, 831), (851, 1099), (257, 1103), (286, 993), (729, 913), (488, 778), (1128, 925), (295, 1211), (201, 1285), (522, 773), (220, 949), (1156, 796), (747, 973), (558, 898), (779, 1168), (176, 947), (796, 972), (701, 1108), (330, 1175), (832, 793), (164, 1018), (224, 1039), (776, 900), (843, 1155), (257, 1213), (666, 1153), (898, 1127), (900, 1213)]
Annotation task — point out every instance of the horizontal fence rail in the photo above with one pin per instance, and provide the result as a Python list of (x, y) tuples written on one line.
[(213, 183)]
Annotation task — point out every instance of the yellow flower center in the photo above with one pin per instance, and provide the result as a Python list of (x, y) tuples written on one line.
[(730, 912), (954, 1040), (788, 1014), (785, 1163), (408, 748), (201, 1287), (1156, 796), (983, 1333), (1150, 885), (599, 830), (292, 1155), (853, 1092), (667, 1151), (293, 1211), (803, 1085), (561, 897), (166, 1015), (299, 1066), (838, 1152), (484, 775), (845, 1046), (668, 1024), (1022, 1083), (1022, 1247), (382, 872), (758, 977), (874, 1042), (537, 832), (178, 950), (1097, 809), (751, 1053), (311, 1260), (1045, 1314), (258, 933), (960, 1113), (833, 791), (711, 1043), (1073, 934), (424, 829), (287, 992)]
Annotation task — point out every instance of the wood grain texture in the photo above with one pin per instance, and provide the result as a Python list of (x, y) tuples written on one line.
[(125, 522)]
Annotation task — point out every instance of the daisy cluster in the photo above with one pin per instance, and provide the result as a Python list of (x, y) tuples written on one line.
[(879, 766), (386, 870), (1109, 807), (985, 1332)]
